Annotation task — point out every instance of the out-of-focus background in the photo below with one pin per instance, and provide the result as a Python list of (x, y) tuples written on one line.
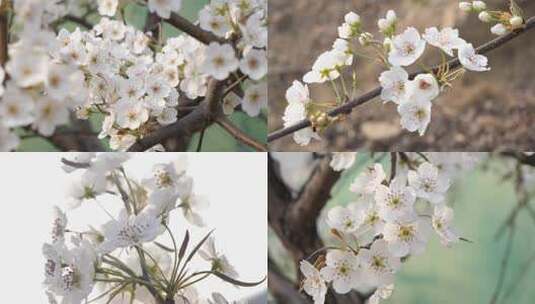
[(467, 272), (215, 138), (484, 111)]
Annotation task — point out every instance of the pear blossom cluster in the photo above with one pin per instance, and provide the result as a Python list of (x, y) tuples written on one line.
[(397, 50), (132, 79), (504, 21), (392, 217), (128, 251)]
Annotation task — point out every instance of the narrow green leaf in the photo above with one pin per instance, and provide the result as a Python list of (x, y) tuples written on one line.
[(184, 245), (236, 282), (192, 254), (162, 246)]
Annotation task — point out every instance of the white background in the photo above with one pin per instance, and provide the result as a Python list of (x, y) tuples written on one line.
[(31, 183)]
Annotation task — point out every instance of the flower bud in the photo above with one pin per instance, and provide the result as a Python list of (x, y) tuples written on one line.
[(465, 6), (391, 17), (516, 21), (383, 24), (479, 5), (485, 16), (499, 29)]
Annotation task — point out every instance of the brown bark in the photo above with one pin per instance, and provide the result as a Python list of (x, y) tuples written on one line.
[(294, 220)]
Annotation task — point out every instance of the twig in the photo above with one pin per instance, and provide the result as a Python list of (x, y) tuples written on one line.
[(201, 138), (4, 31), (346, 108), (191, 29), (393, 164), (195, 121), (239, 135)]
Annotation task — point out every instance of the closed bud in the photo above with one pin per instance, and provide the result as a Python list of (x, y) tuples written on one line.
[(465, 6), (391, 17), (485, 16), (479, 5), (516, 21), (499, 29), (383, 24)]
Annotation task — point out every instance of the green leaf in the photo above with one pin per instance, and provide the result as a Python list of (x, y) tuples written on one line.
[(162, 246), (236, 282), (192, 254), (184, 245)]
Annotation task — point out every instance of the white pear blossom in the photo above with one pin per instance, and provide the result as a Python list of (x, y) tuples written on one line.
[(255, 99), (313, 284), (213, 22), (415, 113), (325, 67), (219, 261), (342, 269), (167, 176), (254, 64), (164, 8), (378, 264), (446, 39), (368, 181), (298, 97), (255, 31), (407, 47), (89, 185), (396, 201), (17, 107), (130, 114), (381, 293), (344, 220), (404, 238), (424, 86), (130, 230), (8, 140), (428, 183), (342, 160), (49, 114), (471, 60), (220, 60), (70, 273), (393, 83), (191, 203), (441, 220)]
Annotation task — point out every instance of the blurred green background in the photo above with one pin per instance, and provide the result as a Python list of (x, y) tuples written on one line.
[(215, 138), (467, 272)]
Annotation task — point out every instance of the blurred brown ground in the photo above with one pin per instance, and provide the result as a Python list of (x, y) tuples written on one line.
[(483, 112)]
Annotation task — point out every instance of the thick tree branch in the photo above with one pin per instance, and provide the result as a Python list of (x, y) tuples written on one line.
[(282, 288), (4, 30), (294, 221), (193, 30), (78, 138), (314, 195), (347, 107), (195, 121), (239, 135)]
